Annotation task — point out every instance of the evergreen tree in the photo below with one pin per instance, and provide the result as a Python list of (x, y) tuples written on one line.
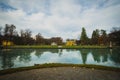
[(84, 38)]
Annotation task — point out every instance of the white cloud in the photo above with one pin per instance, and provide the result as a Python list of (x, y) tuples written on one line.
[(62, 17)]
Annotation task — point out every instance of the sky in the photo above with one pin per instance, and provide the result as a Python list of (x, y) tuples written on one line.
[(60, 18)]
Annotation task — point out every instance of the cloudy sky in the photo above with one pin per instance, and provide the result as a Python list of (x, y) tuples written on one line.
[(63, 18)]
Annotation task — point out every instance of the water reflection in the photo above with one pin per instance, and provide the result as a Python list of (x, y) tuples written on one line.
[(28, 57), (8, 57), (115, 56)]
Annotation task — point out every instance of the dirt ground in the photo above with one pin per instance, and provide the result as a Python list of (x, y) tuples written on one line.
[(63, 73)]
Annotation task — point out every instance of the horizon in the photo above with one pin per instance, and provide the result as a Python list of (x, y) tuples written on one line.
[(61, 18)]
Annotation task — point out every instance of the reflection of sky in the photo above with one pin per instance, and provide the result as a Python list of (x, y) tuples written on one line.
[(72, 56), (90, 59), (60, 56), (18, 63), (66, 57)]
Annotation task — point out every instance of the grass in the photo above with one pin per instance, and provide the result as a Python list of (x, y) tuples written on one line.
[(40, 66), (53, 47)]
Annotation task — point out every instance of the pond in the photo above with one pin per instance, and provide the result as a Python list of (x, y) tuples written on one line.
[(12, 58)]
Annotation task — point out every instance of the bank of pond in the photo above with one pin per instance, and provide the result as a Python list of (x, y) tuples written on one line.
[(54, 47), (51, 65)]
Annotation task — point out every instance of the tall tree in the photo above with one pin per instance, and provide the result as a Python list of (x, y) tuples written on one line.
[(6, 30), (103, 40), (39, 39), (6, 33), (28, 33), (0, 35), (0, 31), (22, 33), (114, 36), (9, 30), (26, 37), (12, 29), (95, 37), (84, 38)]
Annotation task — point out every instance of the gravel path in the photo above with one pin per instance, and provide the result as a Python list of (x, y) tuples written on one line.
[(63, 73)]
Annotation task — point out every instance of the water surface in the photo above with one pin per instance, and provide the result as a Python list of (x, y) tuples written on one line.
[(12, 58)]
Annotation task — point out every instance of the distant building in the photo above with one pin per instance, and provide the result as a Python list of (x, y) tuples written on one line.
[(56, 40), (71, 42), (53, 44)]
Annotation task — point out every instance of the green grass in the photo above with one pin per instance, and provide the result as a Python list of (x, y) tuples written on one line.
[(40, 66), (54, 47)]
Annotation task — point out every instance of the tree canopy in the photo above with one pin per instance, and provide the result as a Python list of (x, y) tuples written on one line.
[(83, 38)]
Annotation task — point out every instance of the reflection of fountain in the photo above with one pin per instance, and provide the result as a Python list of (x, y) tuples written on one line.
[(60, 52), (110, 44), (111, 51)]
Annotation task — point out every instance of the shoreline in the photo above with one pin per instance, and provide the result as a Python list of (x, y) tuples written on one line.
[(54, 47), (53, 65)]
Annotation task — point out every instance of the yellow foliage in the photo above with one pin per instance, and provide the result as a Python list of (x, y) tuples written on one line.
[(7, 43), (70, 43)]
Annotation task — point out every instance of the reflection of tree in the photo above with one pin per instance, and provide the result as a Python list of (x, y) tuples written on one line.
[(8, 57), (60, 52), (100, 52), (6, 61), (84, 53), (115, 56), (24, 54), (96, 54), (39, 52), (52, 50), (69, 50)]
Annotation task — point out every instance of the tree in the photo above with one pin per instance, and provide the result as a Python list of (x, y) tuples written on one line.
[(26, 37), (22, 33), (0, 35), (6, 30), (12, 29), (28, 33), (95, 37), (6, 33), (103, 40), (114, 36), (0, 31), (39, 39), (84, 38)]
